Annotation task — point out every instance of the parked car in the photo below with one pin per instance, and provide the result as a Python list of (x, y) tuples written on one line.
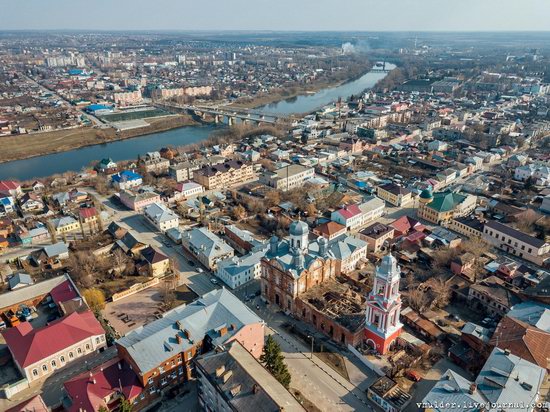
[(214, 281), (200, 270), (413, 376)]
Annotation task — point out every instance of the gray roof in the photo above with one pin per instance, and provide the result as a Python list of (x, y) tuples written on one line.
[(479, 332), (339, 249), (63, 221), (207, 242), (452, 389), (152, 344), (258, 390), (56, 249), (233, 266), (515, 234), (533, 313), (506, 378), (18, 279), (23, 294), (159, 213)]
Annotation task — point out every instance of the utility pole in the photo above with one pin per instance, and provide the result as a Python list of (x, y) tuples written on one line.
[(312, 339)]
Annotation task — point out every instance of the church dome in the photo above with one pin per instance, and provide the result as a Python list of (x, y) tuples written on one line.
[(298, 228)]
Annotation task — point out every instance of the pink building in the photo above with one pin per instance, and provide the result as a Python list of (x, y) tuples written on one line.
[(138, 201)]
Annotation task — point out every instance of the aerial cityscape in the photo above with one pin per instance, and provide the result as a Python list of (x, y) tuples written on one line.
[(266, 207)]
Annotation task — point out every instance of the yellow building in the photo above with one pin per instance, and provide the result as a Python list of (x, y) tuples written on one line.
[(224, 175), (442, 207), (394, 194)]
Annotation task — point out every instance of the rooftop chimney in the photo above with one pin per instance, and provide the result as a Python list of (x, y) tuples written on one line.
[(220, 370), (226, 376), (473, 388), (255, 388)]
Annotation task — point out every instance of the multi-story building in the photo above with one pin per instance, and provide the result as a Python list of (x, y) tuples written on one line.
[(128, 98), (233, 380), (183, 171), (138, 201), (394, 194), (224, 175), (126, 179), (353, 217), (468, 226), (382, 325), (442, 207), (288, 177), (155, 163), (236, 271), (376, 235), (40, 352), (505, 379), (161, 352), (207, 247), (242, 240), (161, 217), (516, 242)]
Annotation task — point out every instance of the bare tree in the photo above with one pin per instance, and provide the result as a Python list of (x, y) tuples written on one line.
[(439, 292), (418, 300)]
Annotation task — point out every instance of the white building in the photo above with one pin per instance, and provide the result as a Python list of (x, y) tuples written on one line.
[(354, 217), (207, 247), (540, 174), (161, 217), (40, 352), (189, 189), (236, 271), (288, 177)]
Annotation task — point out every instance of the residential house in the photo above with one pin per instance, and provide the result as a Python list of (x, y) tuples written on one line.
[(106, 166), (394, 194), (65, 224), (505, 379), (377, 235), (10, 188), (138, 201), (330, 230), (88, 216), (236, 271), (516, 242), (40, 352), (233, 380), (157, 263), (19, 280), (31, 202), (161, 217), (103, 388), (288, 177), (224, 175), (155, 163), (207, 247), (189, 190), (129, 244), (126, 179), (492, 296)]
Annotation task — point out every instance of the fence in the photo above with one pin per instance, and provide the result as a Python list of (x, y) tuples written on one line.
[(8, 391), (365, 361), (138, 287)]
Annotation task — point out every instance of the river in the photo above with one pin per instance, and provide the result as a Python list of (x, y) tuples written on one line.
[(74, 160)]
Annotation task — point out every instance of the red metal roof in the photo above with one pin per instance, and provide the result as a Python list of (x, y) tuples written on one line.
[(87, 212), (34, 404), (350, 211), (6, 185), (88, 389), (29, 345), (63, 292)]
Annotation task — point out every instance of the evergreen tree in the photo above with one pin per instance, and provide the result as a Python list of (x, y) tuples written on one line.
[(274, 362)]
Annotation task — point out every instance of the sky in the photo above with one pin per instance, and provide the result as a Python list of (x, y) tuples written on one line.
[(283, 15)]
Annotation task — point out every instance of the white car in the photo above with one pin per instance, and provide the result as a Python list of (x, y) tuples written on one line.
[(214, 281), (200, 270)]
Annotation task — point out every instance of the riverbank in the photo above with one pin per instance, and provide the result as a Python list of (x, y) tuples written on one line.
[(276, 96), (39, 144)]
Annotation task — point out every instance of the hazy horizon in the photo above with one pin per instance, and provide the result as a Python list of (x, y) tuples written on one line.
[(283, 15)]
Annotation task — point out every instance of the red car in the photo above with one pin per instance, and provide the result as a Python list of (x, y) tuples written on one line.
[(414, 376)]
